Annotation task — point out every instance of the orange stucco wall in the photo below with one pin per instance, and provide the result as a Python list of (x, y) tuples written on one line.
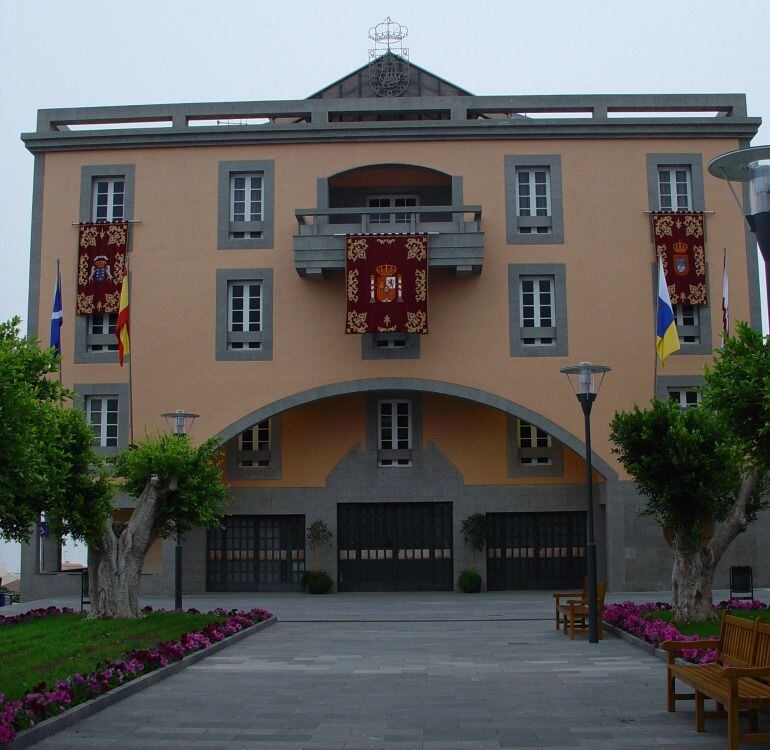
[(175, 257)]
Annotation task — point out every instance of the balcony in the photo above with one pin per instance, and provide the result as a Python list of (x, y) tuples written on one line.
[(456, 241)]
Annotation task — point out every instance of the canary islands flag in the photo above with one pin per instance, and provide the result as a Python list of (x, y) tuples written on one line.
[(666, 337), (121, 331)]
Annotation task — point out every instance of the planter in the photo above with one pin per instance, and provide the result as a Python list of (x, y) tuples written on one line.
[(316, 582), (469, 582)]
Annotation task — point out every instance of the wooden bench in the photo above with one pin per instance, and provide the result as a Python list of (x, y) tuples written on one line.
[(572, 613), (736, 681)]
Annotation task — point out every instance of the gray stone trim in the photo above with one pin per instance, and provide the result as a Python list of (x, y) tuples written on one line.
[(703, 329), (372, 429), (517, 469), (693, 161), (418, 385), (268, 472), (265, 276), (559, 273), (308, 120), (370, 350), (555, 221), (35, 248), (87, 175), (121, 390), (266, 226), (666, 383)]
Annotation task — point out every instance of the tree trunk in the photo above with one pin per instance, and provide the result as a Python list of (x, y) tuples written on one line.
[(116, 565), (692, 581), (695, 564)]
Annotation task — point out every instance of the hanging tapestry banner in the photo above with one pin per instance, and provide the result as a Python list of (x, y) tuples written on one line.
[(101, 260), (386, 283), (679, 241)]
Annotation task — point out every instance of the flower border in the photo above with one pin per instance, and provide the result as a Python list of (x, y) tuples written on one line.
[(35, 707)]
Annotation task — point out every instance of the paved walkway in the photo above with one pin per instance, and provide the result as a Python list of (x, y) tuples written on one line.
[(411, 671)]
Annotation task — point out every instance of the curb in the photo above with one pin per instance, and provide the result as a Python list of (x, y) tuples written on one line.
[(636, 641), (54, 724)]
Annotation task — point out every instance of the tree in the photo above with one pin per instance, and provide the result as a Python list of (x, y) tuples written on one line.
[(704, 470), (178, 487), (474, 530), (47, 464), (318, 534)]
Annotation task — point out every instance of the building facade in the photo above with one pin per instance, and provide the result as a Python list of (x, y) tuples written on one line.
[(537, 214)]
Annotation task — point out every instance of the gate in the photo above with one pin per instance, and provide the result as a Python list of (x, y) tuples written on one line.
[(536, 550), (395, 546), (256, 553)]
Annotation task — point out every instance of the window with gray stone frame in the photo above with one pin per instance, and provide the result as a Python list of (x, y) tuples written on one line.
[(534, 205), (532, 452), (106, 406), (683, 389), (244, 328), (246, 204), (394, 428), (256, 452), (106, 194), (390, 346), (675, 182), (537, 309)]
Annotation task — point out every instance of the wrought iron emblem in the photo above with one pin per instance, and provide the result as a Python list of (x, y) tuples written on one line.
[(389, 60)]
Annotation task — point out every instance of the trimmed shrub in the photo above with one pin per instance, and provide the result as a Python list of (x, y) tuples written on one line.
[(316, 581), (469, 582)]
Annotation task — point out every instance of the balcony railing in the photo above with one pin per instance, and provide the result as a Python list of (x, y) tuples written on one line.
[(456, 241)]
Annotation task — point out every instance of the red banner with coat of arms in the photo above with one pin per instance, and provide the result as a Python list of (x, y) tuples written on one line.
[(679, 240), (101, 261), (386, 283)]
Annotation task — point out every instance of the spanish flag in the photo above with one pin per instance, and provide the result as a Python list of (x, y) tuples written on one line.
[(121, 331), (666, 337)]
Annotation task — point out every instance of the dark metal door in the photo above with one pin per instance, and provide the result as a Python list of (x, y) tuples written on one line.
[(536, 550), (395, 546), (256, 553)]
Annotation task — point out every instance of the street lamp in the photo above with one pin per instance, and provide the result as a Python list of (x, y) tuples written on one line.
[(582, 378), (750, 165), (181, 422)]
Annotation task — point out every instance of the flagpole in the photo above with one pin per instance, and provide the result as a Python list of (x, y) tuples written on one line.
[(725, 298), (130, 370), (58, 285), (655, 326)]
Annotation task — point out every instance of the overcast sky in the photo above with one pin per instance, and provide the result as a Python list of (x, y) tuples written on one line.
[(95, 52)]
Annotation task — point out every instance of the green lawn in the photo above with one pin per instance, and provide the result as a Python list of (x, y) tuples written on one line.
[(53, 648), (711, 629)]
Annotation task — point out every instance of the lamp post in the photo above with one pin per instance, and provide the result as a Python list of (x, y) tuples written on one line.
[(583, 381), (750, 165), (181, 422)]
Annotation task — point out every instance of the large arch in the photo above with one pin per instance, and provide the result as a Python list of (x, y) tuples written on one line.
[(388, 165), (425, 386)]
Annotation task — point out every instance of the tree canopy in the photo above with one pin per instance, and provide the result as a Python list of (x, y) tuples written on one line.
[(47, 462)]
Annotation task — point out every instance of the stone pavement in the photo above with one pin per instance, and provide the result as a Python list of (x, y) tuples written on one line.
[(407, 672)]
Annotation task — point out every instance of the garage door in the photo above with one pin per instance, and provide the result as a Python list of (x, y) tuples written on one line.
[(395, 546), (256, 553), (536, 550)]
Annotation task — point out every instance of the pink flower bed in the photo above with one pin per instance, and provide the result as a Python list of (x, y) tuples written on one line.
[(37, 706), (634, 619)]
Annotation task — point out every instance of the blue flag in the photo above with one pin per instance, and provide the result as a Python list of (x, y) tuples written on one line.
[(56, 316)]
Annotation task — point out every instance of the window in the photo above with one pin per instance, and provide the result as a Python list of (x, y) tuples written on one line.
[(675, 182), (392, 201), (246, 191), (537, 309), (100, 334), (532, 452), (244, 314), (254, 446), (533, 197), (246, 204), (395, 433), (109, 199), (674, 188), (390, 346), (531, 439), (685, 397), (534, 204), (102, 415), (107, 193), (687, 319)]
